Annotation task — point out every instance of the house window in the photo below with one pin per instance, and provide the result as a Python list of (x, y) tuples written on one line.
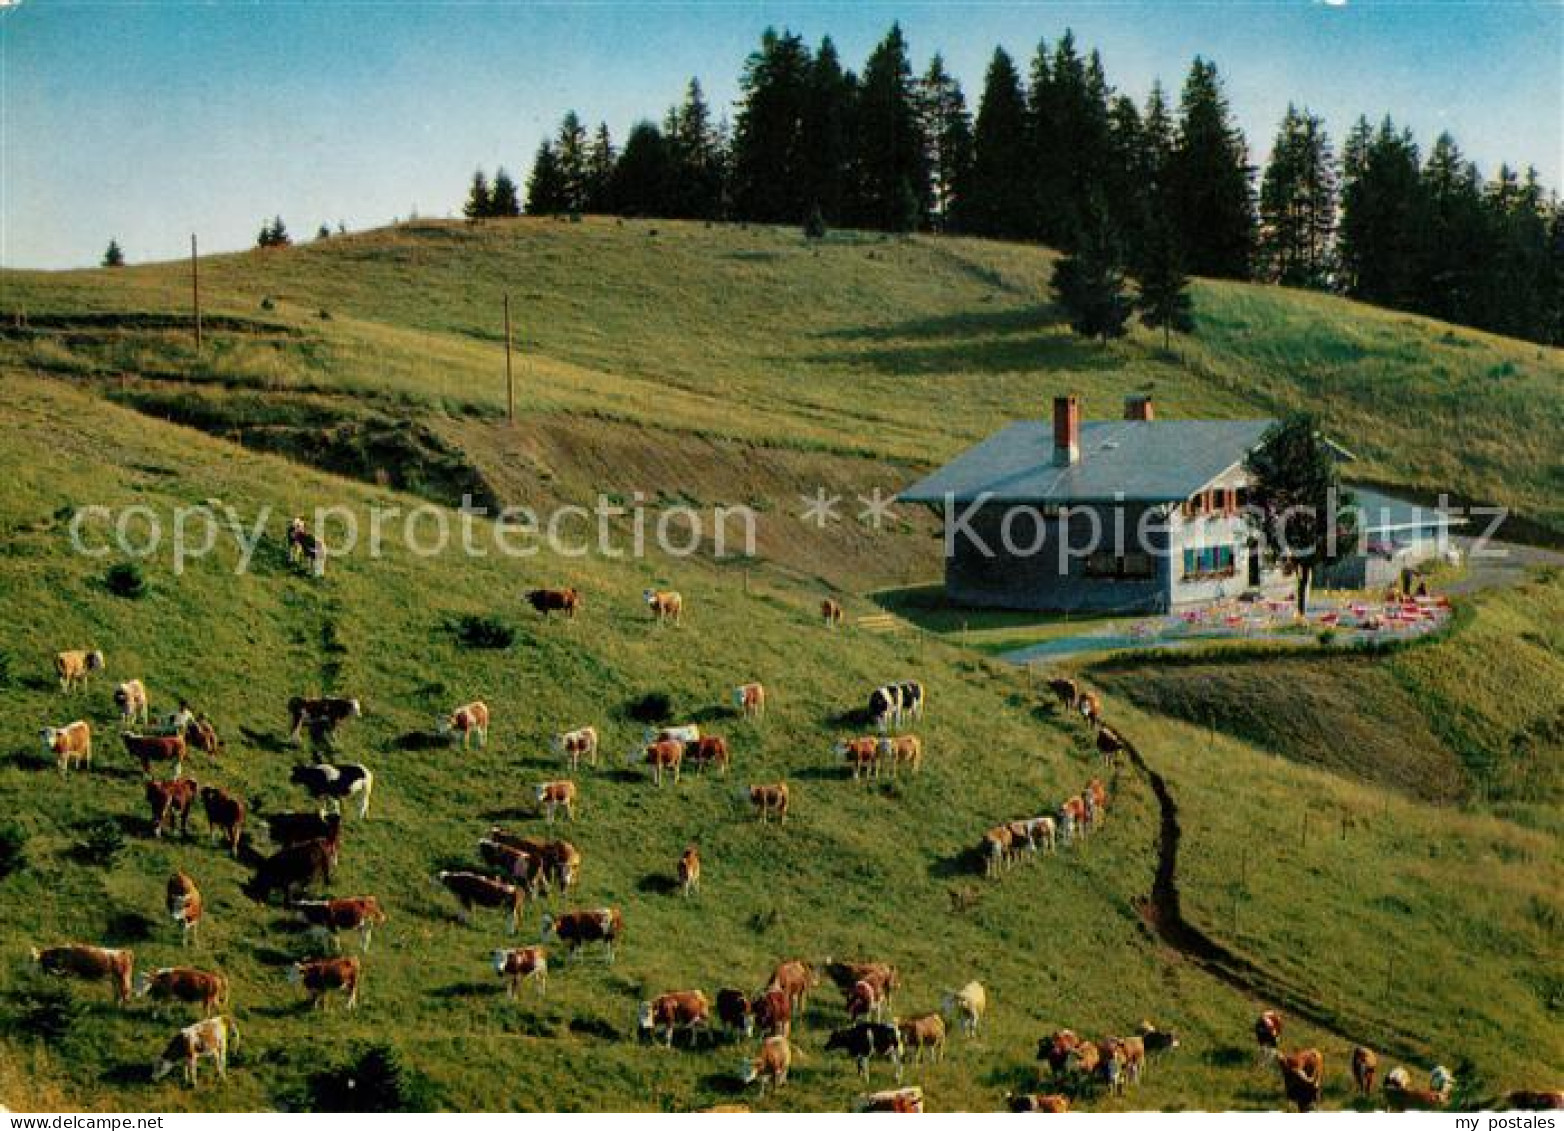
[(1120, 567), (1209, 561)]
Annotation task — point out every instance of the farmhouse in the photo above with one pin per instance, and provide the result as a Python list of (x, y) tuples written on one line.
[(1137, 514)]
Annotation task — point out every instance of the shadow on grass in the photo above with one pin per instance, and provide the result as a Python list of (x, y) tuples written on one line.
[(265, 740), (127, 927), (593, 1027), (657, 883), (129, 1074), (967, 864), (419, 741), (512, 813), (470, 989), (723, 1084), (716, 713), (1228, 1056), (969, 324)]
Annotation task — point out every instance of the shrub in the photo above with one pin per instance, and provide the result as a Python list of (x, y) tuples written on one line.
[(103, 842), (484, 632), (653, 707), (13, 848), (375, 1080), (126, 580)]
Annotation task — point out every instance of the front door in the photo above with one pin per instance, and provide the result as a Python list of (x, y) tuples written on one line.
[(1254, 564)]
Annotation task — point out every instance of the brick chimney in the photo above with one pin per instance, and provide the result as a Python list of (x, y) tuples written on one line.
[(1067, 431), (1138, 407)]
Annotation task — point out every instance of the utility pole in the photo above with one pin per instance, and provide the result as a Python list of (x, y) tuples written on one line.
[(510, 386), (195, 290)]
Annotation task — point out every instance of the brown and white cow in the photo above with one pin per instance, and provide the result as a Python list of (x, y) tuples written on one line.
[(1268, 1033), (546, 601), (185, 906), (576, 929), (350, 913), (1364, 1065), (686, 1010), (468, 720), (1052, 1103), (576, 745), (1110, 744), (224, 814), (735, 1013), (321, 976), (708, 750), (666, 604), (90, 964), (1056, 1049), (690, 871), (522, 964), (902, 750), (998, 850), (525, 865), (170, 801), (71, 743), (831, 612), (750, 699), (552, 795), (131, 699), (924, 1032), (74, 667), (772, 1009), (187, 985), (561, 860), (863, 999), (473, 890), (1090, 708), (771, 1066), (149, 748), (215, 1038), (1303, 1076), (862, 754), (664, 757), (322, 715), (768, 799), (306, 549), (1066, 691), (795, 978), (881, 975), (899, 1101)]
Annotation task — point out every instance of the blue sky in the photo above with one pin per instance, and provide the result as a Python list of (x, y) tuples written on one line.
[(148, 120)]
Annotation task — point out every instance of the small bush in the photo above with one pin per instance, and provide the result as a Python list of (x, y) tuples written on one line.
[(485, 632), (374, 1080), (126, 580), (103, 843), (653, 707), (13, 848)]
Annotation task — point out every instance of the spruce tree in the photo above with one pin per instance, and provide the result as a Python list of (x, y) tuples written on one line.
[(479, 201), (948, 129), (1089, 281), (1298, 203), (996, 199), (114, 256), (892, 187), (570, 148), (323, 232), (694, 153), (642, 174), (601, 157), (825, 136), (546, 186), (1163, 299), (1382, 215), (768, 160), (504, 198), (1454, 243), (1211, 197)]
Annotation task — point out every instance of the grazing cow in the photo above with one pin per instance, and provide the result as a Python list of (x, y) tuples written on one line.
[(319, 976), (770, 1067), (169, 800), (663, 756), (1041, 832), (1303, 1075), (353, 913), (885, 706), (902, 1101), (772, 1010), (968, 1004), (863, 754), (666, 605), (199, 733), (1056, 1049), (183, 984), (304, 547), (331, 783), (212, 1038), (576, 929), (149, 748), (1096, 793), (225, 814), (1052, 1103), (1084, 1060), (517, 863), (690, 871), (1073, 820), (926, 1031), (90, 964), (74, 667), (903, 750), (735, 1013), (1157, 1041), (1133, 1054), (131, 699), (1441, 1080), (998, 849), (831, 612), (1531, 1100), (867, 1040), (768, 799), (750, 699), (1268, 1034), (552, 795), (288, 829), (1109, 745), (473, 890), (863, 999), (1090, 708), (323, 716), (560, 861), (292, 867), (682, 1009), (576, 745), (913, 699), (708, 750), (881, 975), (69, 743), (185, 906), (522, 964), (795, 978), (1364, 1065), (547, 601), (1066, 691), (467, 720)]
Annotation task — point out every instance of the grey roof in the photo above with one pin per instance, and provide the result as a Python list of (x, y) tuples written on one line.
[(1382, 514), (1133, 460)]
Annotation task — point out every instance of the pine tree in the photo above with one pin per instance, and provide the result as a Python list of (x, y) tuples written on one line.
[(1454, 241), (825, 136), (480, 203), (769, 165), (892, 187), (1163, 298), (1089, 281), (1516, 301), (504, 198), (1211, 196), (273, 234), (1382, 212), (545, 185), (694, 152), (323, 232), (996, 199), (570, 148), (948, 128), (114, 256), (600, 171), (642, 174), (1298, 203)]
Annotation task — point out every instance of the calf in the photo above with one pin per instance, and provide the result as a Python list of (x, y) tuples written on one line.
[(735, 1013), (1303, 1074), (831, 612), (73, 668), (131, 699), (90, 964), (69, 743), (682, 1009), (467, 720), (472, 890), (552, 795), (331, 916), (1052, 1103), (708, 750), (666, 605), (750, 699), (320, 976), (768, 799), (547, 601), (323, 716), (903, 750), (169, 800), (183, 984), (576, 745), (185, 906), (293, 867), (524, 865), (773, 1012), (225, 814), (212, 1038), (522, 964), (862, 754), (968, 1005), (867, 1040), (201, 734), (1133, 1055), (925, 1032), (770, 1067), (324, 781), (150, 748), (1401, 1095), (1073, 824), (898, 1100), (576, 929), (690, 871), (663, 756), (1364, 1065)]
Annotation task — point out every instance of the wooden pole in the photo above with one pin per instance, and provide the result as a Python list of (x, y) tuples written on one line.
[(195, 290), (510, 385)]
